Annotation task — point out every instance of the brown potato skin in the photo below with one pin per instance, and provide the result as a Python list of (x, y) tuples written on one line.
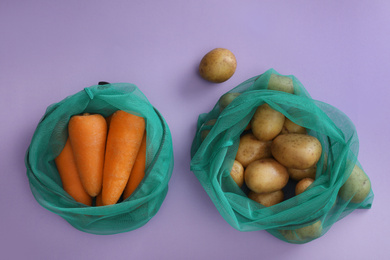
[(265, 175), (297, 151), (291, 127), (267, 199), (226, 99), (298, 174), (218, 65), (251, 149), (357, 186), (281, 83), (205, 132), (267, 123), (301, 234), (237, 173), (302, 185), (248, 127)]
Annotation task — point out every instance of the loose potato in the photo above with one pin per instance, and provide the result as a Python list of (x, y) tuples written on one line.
[(267, 123), (357, 186), (267, 199), (265, 175), (296, 151), (237, 173), (302, 185), (298, 174), (218, 65), (281, 83), (291, 127), (251, 149), (226, 99)]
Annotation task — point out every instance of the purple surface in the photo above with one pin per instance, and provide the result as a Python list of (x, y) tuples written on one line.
[(339, 50)]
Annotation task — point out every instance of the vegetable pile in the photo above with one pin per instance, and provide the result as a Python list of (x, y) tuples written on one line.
[(274, 151), (272, 158), (103, 158)]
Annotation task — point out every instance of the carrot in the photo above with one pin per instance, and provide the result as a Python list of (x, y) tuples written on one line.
[(70, 177), (108, 120), (123, 142), (88, 134), (98, 201), (138, 171)]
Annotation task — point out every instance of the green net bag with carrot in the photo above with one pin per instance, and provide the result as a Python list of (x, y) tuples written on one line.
[(272, 158), (101, 159)]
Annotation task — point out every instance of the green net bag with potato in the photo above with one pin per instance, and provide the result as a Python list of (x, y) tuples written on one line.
[(49, 140), (272, 158)]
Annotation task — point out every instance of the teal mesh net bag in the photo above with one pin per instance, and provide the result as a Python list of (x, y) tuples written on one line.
[(49, 139), (339, 179)]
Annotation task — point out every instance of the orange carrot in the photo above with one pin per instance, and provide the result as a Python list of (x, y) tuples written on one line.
[(98, 201), (108, 120), (123, 142), (138, 171), (70, 177), (88, 134)]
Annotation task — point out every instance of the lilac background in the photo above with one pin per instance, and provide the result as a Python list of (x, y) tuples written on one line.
[(339, 50)]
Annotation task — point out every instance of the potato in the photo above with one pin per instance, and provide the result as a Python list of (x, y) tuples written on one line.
[(296, 151), (302, 185), (226, 99), (265, 175), (357, 186), (237, 173), (291, 127), (288, 234), (281, 83), (251, 149), (267, 199), (267, 123), (298, 174), (218, 65), (311, 231), (248, 127), (205, 132)]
